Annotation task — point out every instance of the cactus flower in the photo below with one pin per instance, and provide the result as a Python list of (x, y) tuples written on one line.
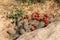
[(26, 16)]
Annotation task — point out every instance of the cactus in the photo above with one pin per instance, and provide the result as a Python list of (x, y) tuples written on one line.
[(41, 24), (26, 24)]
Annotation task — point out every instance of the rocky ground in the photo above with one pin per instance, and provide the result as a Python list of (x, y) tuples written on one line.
[(49, 33)]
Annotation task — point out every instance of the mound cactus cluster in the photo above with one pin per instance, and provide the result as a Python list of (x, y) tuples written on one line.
[(26, 23)]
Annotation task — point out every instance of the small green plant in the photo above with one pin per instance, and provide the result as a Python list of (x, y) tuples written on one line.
[(16, 16)]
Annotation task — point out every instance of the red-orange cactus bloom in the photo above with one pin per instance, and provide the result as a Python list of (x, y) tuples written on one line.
[(37, 14), (26, 16), (33, 25), (33, 28), (37, 18), (45, 15), (46, 21), (46, 24)]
